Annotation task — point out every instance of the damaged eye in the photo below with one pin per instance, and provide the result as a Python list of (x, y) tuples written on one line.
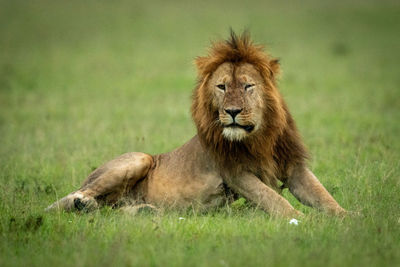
[(247, 86), (221, 86)]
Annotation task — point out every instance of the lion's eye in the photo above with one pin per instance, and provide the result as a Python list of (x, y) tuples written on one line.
[(221, 86), (247, 86)]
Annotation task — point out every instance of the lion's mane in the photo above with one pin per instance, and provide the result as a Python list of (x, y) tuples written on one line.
[(276, 146)]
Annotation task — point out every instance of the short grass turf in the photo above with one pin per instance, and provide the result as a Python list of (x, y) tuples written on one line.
[(84, 81)]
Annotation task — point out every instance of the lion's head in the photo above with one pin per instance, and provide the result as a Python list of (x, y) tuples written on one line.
[(236, 106)]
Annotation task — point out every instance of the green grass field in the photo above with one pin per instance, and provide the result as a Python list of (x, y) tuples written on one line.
[(84, 81)]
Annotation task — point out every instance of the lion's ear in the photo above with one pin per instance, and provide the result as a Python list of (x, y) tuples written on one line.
[(275, 66), (201, 64)]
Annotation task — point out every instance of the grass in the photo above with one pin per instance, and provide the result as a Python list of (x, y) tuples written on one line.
[(82, 82)]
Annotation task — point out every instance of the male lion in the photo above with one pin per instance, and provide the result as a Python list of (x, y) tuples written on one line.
[(246, 142)]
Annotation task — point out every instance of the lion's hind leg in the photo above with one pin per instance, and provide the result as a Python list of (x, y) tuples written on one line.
[(140, 208), (108, 183), (74, 201)]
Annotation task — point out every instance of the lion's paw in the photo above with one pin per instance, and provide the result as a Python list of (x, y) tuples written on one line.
[(85, 203), (74, 201)]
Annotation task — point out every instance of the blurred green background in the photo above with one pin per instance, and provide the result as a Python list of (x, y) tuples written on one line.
[(84, 81)]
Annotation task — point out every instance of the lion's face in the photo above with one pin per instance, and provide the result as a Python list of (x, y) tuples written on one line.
[(236, 91), (236, 103)]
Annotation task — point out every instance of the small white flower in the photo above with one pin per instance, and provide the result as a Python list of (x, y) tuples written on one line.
[(294, 221), (181, 218)]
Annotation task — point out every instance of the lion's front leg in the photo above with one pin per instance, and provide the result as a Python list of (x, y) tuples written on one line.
[(256, 191), (303, 184)]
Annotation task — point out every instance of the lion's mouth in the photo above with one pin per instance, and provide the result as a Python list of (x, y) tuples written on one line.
[(247, 128)]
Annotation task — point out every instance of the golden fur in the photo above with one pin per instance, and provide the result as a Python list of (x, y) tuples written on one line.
[(246, 141), (277, 145)]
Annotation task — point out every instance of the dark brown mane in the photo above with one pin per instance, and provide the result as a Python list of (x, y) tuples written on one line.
[(237, 49), (277, 145)]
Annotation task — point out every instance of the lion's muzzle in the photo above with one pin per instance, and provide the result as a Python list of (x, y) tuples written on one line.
[(247, 128)]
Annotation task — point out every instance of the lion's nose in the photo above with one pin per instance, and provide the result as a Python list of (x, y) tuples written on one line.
[(233, 112)]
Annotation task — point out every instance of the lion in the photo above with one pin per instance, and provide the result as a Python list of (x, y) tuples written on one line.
[(247, 144)]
